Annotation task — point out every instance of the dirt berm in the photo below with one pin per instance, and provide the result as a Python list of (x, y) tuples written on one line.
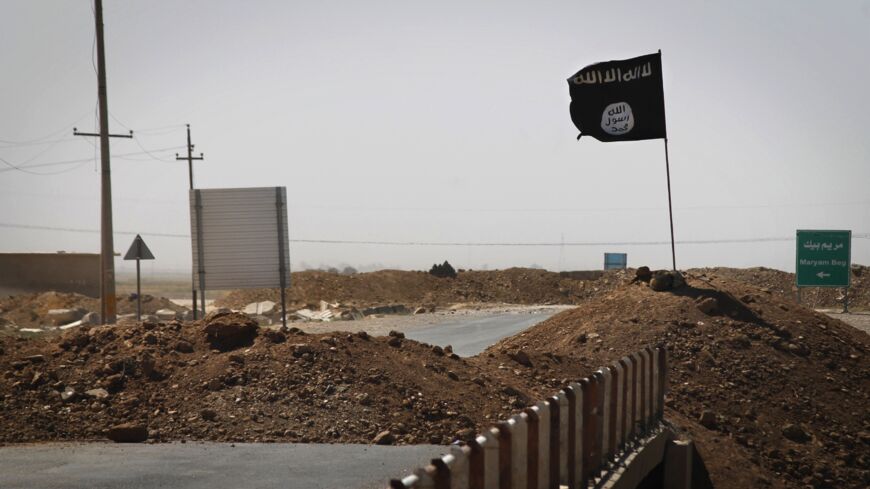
[(225, 379), (514, 286), (772, 392), (783, 284)]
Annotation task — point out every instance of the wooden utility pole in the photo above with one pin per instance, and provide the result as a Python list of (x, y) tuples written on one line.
[(190, 159), (107, 251)]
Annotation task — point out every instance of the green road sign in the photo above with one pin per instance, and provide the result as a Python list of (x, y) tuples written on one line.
[(823, 258)]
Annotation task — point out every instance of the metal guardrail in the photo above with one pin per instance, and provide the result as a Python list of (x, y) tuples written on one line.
[(572, 439)]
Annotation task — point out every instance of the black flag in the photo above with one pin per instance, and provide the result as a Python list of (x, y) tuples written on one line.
[(620, 100)]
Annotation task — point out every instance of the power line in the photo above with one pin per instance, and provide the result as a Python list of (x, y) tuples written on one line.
[(80, 160), (443, 243)]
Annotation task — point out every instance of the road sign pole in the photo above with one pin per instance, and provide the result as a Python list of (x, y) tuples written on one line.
[(138, 293), (846, 301)]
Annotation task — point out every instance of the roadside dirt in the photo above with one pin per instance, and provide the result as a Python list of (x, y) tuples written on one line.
[(511, 286), (238, 386), (786, 387), (31, 310), (783, 284)]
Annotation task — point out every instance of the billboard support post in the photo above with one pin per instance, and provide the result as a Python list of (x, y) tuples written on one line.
[(282, 265)]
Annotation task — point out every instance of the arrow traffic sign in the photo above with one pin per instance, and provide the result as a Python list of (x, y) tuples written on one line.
[(823, 258)]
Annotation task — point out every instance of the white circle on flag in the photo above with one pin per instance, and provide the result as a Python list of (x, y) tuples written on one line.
[(617, 119)]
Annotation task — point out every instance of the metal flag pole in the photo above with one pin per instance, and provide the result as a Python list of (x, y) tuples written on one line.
[(670, 208), (668, 173)]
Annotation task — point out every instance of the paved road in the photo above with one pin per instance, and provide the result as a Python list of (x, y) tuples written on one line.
[(471, 335), (207, 465), (859, 320)]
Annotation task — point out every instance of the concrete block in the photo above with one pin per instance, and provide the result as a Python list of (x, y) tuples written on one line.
[(91, 319), (59, 317), (165, 314), (265, 308)]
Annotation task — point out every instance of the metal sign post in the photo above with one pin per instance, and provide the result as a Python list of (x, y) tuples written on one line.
[(824, 259), (138, 251)]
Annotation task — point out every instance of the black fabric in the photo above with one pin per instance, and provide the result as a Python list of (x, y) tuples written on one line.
[(620, 100)]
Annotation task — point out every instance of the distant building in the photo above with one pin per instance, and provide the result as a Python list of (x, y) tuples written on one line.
[(40, 272)]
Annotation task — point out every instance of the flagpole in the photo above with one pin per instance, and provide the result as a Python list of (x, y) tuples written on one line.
[(668, 173), (670, 208)]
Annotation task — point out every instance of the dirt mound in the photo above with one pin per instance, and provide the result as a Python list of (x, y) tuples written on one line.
[(31, 310), (783, 284), (229, 330), (514, 285), (786, 387), (286, 386)]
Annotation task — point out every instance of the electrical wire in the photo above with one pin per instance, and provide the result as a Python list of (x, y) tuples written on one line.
[(436, 243), (121, 156)]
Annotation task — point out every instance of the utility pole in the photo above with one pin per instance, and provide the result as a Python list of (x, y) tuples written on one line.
[(107, 251), (190, 159)]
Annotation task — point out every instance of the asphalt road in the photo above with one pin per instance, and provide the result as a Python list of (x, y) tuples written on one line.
[(471, 335), (208, 465)]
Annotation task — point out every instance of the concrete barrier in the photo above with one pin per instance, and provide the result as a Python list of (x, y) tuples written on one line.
[(605, 428)]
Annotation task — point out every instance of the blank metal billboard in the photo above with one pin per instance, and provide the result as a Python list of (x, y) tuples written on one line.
[(239, 238)]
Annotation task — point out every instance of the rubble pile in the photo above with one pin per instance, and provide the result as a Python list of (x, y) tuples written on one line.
[(59, 308), (758, 381), (224, 378), (513, 286)]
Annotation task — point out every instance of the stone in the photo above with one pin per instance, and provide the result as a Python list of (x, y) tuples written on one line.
[(798, 349), (397, 334), (452, 375), (91, 319), (438, 350), (643, 274), (208, 414), (661, 281), (35, 358), (678, 279), (741, 342), (69, 395), (166, 314), (58, 317), (395, 341), (262, 320), (97, 393), (708, 420), (275, 336), (263, 308), (384, 438), (708, 306), (796, 433), (183, 346), (520, 357), (420, 310), (128, 433)]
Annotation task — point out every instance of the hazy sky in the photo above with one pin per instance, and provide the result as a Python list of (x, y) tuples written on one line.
[(441, 122)]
